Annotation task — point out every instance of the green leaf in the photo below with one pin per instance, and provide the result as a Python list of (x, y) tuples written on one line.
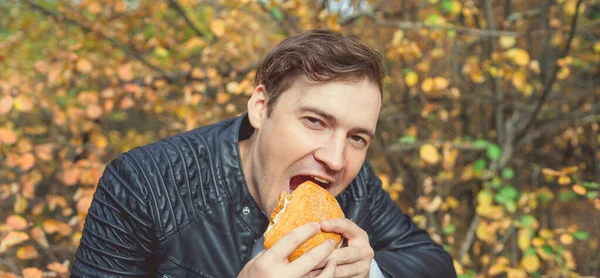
[(479, 165), (493, 152), (566, 195), (508, 173), (511, 206), (529, 252), (527, 221), (548, 249), (277, 14), (450, 229), (506, 193), (592, 195), (434, 19), (408, 140), (448, 248), (480, 143), (581, 235), (447, 5), (591, 184)]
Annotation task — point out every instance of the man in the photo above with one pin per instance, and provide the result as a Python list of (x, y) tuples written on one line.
[(196, 204)]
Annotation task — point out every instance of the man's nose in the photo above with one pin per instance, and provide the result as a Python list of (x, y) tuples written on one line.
[(332, 154)]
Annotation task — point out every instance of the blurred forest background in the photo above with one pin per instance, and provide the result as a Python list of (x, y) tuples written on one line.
[(488, 136)]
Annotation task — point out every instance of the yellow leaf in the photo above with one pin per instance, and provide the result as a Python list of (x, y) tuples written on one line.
[(76, 239), (161, 52), (458, 267), (434, 205), (524, 239), (496, 269), (84, 65), (485, 197), (12, 239), (564, 180), (516, 273), (546, 234), (222, 98), (427, 85), (519, 79), (17, 222), (429, 154), (52, 226), (531, 263), (534, 66), (537, 242), (507, 41), (597, 47), (484, 232), (6, 104), (440, 83), (217, 27), (411, 79), (20, 204), (519, 56), (27, 252), (566, 239), (452, 202), (563, 73)]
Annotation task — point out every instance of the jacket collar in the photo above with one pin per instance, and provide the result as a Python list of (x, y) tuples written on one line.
[(232, 173)]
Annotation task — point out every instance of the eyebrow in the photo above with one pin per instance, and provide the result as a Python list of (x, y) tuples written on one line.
[(332, 119)]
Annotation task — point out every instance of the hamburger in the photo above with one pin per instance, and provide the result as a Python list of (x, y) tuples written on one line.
[(308, 203)]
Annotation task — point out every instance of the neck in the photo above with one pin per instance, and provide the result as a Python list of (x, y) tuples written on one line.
[(246, 154)]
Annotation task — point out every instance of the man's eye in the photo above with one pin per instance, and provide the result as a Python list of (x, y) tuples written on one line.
[(358, 139), (314, 121)]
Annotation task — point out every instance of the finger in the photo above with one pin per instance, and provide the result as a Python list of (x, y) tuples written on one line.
[(351, 270), (346, 255), (329, 270), (308, 261), (345, 227), (313, 273), (288, 243)]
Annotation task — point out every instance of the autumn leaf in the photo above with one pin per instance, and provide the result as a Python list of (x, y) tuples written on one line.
[(6, 104), (32, 272), (39, 236), (518, 56), (23, 103), (12, 239), (52, 226), (84, 65), (217, 27), (518, 80), (27, 161), (429, 154), (7, 136), (507, 41), (59, 268), (531, 263), (125, 72), (411, 79), (17, 222), (27, 252)]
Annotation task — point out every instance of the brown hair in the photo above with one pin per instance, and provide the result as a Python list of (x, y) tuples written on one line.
[(322, 56)]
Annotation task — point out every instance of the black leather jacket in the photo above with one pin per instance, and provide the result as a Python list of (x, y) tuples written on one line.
[(180, 207)]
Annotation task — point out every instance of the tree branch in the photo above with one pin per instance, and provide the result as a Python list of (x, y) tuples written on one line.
[(552, 79), (127, 50), (179, 9)]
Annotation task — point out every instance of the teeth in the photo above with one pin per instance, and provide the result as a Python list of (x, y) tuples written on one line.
[(320, 180)]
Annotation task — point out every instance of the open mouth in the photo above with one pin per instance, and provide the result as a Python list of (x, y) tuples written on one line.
[(295, 181)]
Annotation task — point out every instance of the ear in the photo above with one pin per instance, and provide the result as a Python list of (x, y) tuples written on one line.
[(257, 106)]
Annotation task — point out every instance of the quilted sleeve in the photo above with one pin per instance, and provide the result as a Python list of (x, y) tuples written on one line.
[(118, 236)]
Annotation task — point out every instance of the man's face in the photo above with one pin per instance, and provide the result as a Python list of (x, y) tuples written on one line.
[(317, 131)]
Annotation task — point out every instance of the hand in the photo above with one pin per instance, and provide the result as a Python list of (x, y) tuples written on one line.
[(273, 262), (353, 260)]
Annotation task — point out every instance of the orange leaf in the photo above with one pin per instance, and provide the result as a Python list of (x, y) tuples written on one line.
[(124, 72), (32, 272), (23, 103), (222, 98), (12, 239), (126, 103), (27, 252), (83, 65), (44, 152), (6, 104), (7, 136), (579, 189), (39, 236), (17, 222), (52, 226), (76, 239), (59, 268), (71, 176), (27, 161), (84, 204), (93, 111)]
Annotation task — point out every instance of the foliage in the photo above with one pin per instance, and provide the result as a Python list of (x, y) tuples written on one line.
[(489, 123)]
